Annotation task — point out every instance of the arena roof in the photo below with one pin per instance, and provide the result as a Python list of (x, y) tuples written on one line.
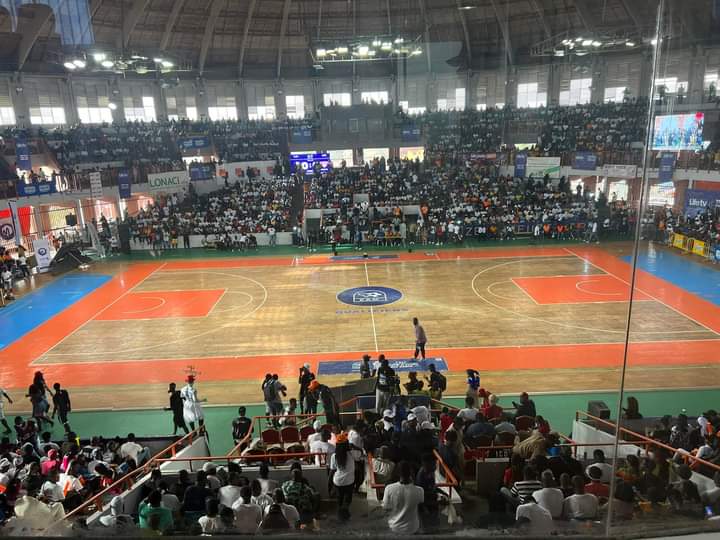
[(264, 38)]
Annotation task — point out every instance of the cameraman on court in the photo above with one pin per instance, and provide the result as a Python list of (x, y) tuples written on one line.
[(385, 385)]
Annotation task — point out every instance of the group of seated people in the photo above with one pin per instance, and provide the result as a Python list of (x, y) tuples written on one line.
[(704, 226), (259, 206), (11, 270)]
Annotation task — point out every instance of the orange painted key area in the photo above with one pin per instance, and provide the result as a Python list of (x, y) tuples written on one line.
[(162, 305), (582, 289)]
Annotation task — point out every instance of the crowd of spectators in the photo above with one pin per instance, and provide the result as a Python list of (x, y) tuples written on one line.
[(704, 226), (237, 211)]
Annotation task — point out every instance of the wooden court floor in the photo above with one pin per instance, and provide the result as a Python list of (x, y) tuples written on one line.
[(535, 319)]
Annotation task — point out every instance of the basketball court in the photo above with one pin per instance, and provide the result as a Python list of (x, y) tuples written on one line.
[(531, 318)]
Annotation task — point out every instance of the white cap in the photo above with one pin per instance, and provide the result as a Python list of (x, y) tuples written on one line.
[(317, 424), (388, 413), (427, 425), (411, 417), (307, 366)]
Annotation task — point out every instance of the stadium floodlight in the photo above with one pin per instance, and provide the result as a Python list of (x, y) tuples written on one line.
[(399, 40), (416, 52), (157, 60), (653, 41), (70, 66), (376, 43), (321, 53), (363, 50), (342, 50), (629, 43), (587, 42), (112, 106), (79, 63), (166, 64), (596, 43), (99, 56), (107, 63), (386, 46)]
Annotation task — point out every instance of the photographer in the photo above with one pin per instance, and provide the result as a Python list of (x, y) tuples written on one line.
[(385, 385), (304, 380)]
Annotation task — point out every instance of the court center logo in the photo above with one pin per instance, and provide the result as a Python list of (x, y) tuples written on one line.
[(369, 296), (7, 231)]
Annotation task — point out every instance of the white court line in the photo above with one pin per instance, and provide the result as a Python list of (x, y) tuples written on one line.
[(161, 304), (579, 288), (372, 311), (644, 292), (519, 287)]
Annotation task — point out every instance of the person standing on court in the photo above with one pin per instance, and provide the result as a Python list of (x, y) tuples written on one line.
[(420, 339), (176, 406), (473, 385), (384, 385), (304, 380), (61, 406), (192, 408)]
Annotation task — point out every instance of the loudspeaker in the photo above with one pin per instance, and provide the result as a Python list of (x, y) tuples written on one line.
[(71, 220), (598, 409)]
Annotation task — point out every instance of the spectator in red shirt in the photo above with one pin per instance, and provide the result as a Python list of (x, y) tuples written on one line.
[(596, 487), (493, 410)]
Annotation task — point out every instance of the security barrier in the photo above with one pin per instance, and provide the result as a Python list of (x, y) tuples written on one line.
[(694, 246)]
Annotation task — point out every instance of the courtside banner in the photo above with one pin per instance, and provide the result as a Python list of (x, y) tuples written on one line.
[(585, 161), (667, 167), (41, 247), (15, 221), (22, 153), (124, 184), (345, 367), (520, 165), (538, 167), (700, 200), (168, 181)]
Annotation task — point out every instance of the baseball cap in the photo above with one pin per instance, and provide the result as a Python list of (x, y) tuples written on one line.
[(388, 413), (427, 425), (411, 417)]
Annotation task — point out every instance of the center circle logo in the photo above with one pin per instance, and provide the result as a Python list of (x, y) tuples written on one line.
[(369, 296), (7, 231)]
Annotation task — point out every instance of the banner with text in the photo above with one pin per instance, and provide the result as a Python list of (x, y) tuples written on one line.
[(15, 217), (96, 191), (190, 143), (667, 167), (585, 161), (410, 134), (301, 135), (36, 188), (520, 165), (41, 247), (238, 170), (620, 171), (699, 200), (538, 167), (22, 153), (168, 181), (124, 184)]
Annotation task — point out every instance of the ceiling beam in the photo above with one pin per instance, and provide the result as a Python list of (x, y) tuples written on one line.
[(174, 14), (585, 16), (283, 30), (215, 8), (94, 7), (426, 24), (535, 4), (632, 12), (505, 30), (31, 32), (466, 33), (389, 16), (136, 11), (246, 34)]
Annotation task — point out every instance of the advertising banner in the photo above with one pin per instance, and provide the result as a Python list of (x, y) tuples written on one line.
[(22, 153), (520, 165), (585, 161), (15, 221), (41, 247), (301, 135), (202, 171), (124, 184), (168, 181), (620, 171), (667, 167), (538, 167), (7, 229), (699, 200), (96, 191), (410, 134), (192, 143), (36, 188)]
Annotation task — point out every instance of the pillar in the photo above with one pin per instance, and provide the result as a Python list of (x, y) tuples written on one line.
[(599, 80), (696, 77)]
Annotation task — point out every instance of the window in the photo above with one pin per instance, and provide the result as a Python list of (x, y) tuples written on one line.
[(47, 115), (375, 97), (145, 113), (95, 115), (481, 106), (671, 84), (460, 99), (414, 111), (528, 96), (453, 103), (500, 105), (222, 113), (261, 112), (7, 116), (295, 106), (578, 94), (711, 77), (191, 113), (614, 94), (342, 99)]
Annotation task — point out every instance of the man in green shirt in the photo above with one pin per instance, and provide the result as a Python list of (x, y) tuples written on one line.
[(152, 507)]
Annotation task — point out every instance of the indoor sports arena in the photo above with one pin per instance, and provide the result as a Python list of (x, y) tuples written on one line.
[(360, 268)]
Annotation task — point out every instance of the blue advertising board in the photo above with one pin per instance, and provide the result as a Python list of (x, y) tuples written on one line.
[(36, 188), (699, 200), (410, 133), (301, 135), (667, 167), (190, 143), (22, 153), (306, 162), (346, 367), (520, 165), (124, 184), (585, 161), (202, 171)]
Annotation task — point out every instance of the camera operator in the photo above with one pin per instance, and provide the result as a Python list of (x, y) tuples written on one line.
[(385, 385)]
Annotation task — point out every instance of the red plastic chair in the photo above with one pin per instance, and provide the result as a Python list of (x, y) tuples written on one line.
[(271, 437), (524, 423), (305, 432), (289, 435)]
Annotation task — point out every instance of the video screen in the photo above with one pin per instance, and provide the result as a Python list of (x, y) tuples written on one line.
[(679, 132), (306, 162)]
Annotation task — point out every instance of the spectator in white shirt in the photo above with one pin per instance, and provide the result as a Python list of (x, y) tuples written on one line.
[(401, 501), (581, 505), (288, 510), (229, 494), (51, 489), (317, 425), (263, 500), (469, 413), (533, 518), (323, 446), (267, 484), (550, 497), (421, 412), (133, 450), (169, 500), (247, 514), (599, 462)]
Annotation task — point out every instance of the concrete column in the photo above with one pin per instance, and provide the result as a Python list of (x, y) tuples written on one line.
[(201, 100), (431, 92), (646, 75), (38, 220), (555, 74), (470, 90), (20, 104), (280, 103), (80, 214), (161, 111), (70, 103), (241, 101), (599, 80)]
